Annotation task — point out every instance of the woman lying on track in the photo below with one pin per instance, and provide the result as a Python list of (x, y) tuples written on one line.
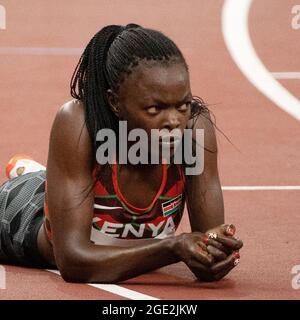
[(108, 222)]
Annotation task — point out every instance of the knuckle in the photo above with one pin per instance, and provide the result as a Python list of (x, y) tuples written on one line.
[(223, 256), (237, 245), (210, 248), (214, 271), (210, 259)]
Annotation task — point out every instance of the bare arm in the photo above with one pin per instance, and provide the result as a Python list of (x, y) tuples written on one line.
[(69, 174), (204, 194)]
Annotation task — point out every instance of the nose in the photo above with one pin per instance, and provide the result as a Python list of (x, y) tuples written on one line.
[(172, 120)]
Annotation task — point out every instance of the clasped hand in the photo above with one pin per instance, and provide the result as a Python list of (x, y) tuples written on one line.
[(213, 254)]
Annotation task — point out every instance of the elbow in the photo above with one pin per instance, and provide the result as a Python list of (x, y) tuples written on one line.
[(72, 276), (71, 270), (71, 265)]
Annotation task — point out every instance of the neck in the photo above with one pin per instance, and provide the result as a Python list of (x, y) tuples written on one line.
[(140, 167)]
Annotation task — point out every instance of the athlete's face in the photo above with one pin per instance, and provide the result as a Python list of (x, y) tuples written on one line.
[(155, 96)]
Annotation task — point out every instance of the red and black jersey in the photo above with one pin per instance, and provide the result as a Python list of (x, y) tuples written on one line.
[(117, 222)]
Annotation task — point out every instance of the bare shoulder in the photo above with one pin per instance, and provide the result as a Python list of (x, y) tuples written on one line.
[(69, 123), (70, 144), (71, 111)]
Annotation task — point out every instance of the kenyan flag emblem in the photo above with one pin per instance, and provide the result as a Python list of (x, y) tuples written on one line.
[(171, 206)]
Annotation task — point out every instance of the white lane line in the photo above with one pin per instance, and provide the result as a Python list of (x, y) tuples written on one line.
[(40, 51), (254, 188), (286, 75), (2, 17), (238, 42), (118, 290)]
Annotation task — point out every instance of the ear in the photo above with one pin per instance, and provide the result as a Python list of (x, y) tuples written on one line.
[(113, 102)]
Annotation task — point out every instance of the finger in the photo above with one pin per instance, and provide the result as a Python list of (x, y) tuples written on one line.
[(215, 244), (202, 245), (230, 242), (216, 253), (204, 257), (230, 230), (201, 272), (198, 267), (223, 273), (205, 275), (225, 229), (230, 261)]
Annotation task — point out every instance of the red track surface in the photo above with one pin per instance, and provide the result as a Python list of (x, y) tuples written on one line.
[(34, 86)]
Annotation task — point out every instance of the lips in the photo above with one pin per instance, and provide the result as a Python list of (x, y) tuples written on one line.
[(169, 142)]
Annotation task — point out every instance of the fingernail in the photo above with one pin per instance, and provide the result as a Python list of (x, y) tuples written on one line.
[(236, 262), (212, 235), (230, 230), (236, 255), (205, 239)]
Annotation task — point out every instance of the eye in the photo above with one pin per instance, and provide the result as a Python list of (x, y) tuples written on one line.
[(184, 107), (153, 110)]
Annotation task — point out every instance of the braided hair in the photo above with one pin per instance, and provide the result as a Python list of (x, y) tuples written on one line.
[(111, 55)]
